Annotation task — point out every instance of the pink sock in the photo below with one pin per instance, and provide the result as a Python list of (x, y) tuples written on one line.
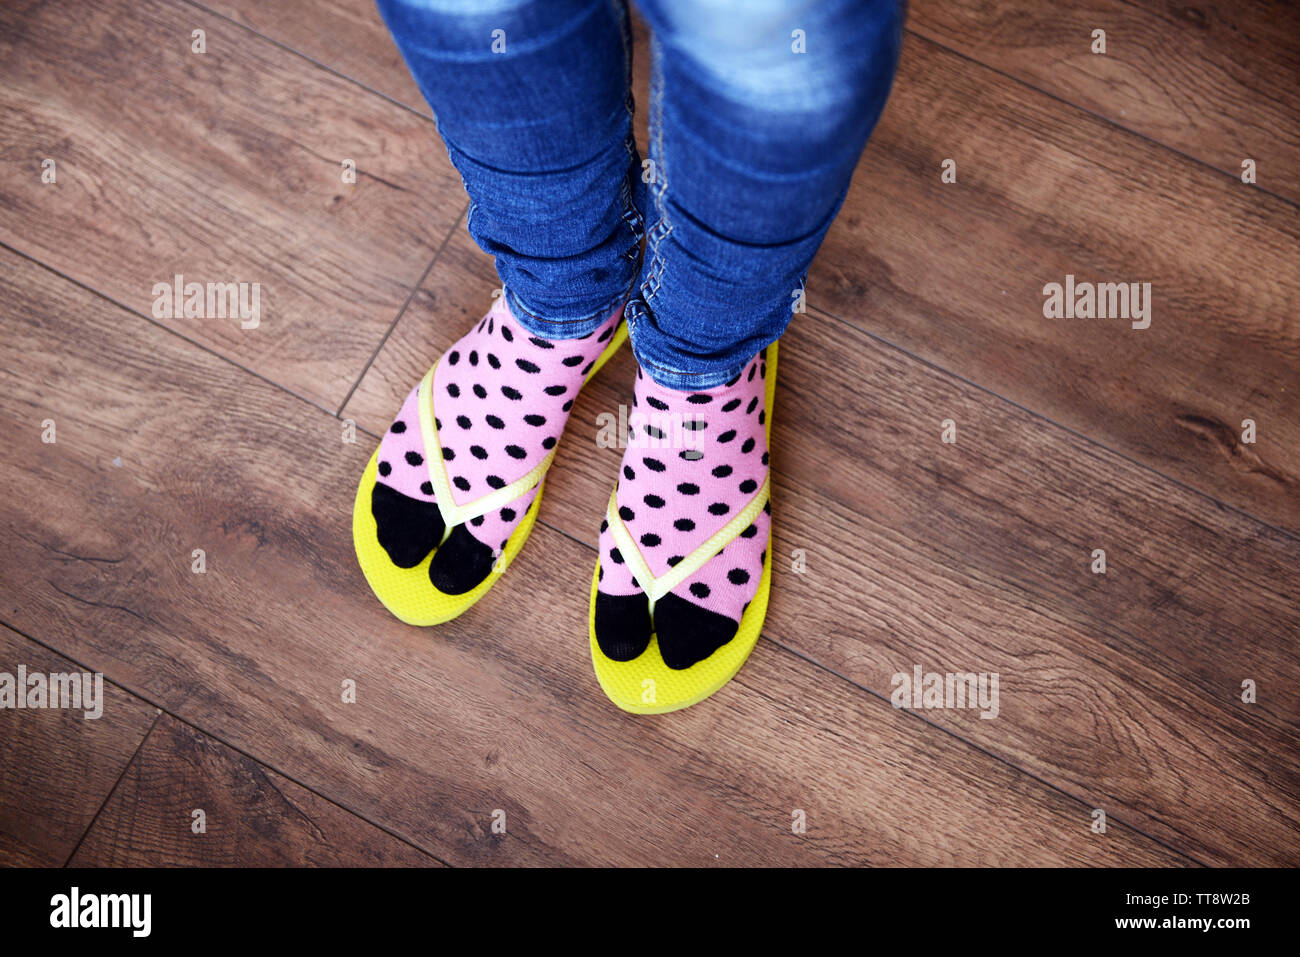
[(709, 466), (501, 398)]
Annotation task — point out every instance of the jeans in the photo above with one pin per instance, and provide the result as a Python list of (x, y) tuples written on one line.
[(758, 112)]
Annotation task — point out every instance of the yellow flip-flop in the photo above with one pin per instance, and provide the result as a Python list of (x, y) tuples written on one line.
[(645, 685), (407, 592)]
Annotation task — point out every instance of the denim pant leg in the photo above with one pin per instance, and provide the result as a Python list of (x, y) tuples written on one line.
[(532, 100), (759, 111)]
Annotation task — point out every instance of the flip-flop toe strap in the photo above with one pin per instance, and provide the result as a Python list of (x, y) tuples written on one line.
[(452, 513), (656, 588)]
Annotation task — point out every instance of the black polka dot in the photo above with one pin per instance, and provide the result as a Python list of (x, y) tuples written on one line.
[(700, 590), (495, 422), (572, 360), (513, 394), (748, 486), (654, 501), (727, 436), (625, 513), (762, 558), (719, 508), (515, 452), (463, 421), (504, 543), (437, 423), (530, 367), (541, 343), (476, 521), (688, 488), (600, 573), (654, 433), (731, 406), (674, 560), (749, 532), (654, 465), (748, 446), (495, 481), (473, 357), (507, 515), (649, 539), (491, 322), (752, 370), (535, 419), (480, 391), (548, 442), (694, 425), (752, 404), (738, 576), (616, 556), (731, 382), (722, 471), (461, 483), (767, 509), (478, 452), (607, 333), (699, 399), (628, 473), (399, 427), (762, 416), (588, 367), (453, 357), (684, 525), (453, 390), (764, 458), (493, 361), (568, 404), (426, 488), (448, 455), (384, 468), (556, 389), (507, 334), (691, 455), (656, 403), (414, 458), (762, 370)]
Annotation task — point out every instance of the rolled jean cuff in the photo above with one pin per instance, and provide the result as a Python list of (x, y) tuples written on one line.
[(560, 328), (708, 374)]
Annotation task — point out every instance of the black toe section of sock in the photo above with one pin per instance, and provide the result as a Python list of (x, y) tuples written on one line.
[(407, 529), (460, 563), (622, 625), (688, 633)]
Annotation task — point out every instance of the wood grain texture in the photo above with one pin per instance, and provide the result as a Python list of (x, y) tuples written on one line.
[(348, 36), (56, 766), (955, 274), (498, 710), (252, 817), (223, 166), (1218, 80), (1122, 689)]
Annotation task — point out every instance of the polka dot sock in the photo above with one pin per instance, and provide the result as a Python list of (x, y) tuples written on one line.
[(694, 460), (501, 398)]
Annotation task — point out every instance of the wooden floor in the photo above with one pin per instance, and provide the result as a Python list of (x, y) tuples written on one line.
[(1120, 693)]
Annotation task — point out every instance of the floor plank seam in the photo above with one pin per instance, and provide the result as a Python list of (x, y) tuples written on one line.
[(215, 737), (120, 777), (426, 116), (1095, 115), (419, 284), (1042, 417)]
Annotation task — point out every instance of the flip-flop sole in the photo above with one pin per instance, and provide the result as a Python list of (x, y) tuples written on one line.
[(645, 685), (407, 592)]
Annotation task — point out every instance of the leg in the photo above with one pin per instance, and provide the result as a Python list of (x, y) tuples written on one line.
[(531, 99), (759, 112)]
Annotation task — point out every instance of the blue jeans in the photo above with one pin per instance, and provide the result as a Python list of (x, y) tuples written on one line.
[(759, 110)]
